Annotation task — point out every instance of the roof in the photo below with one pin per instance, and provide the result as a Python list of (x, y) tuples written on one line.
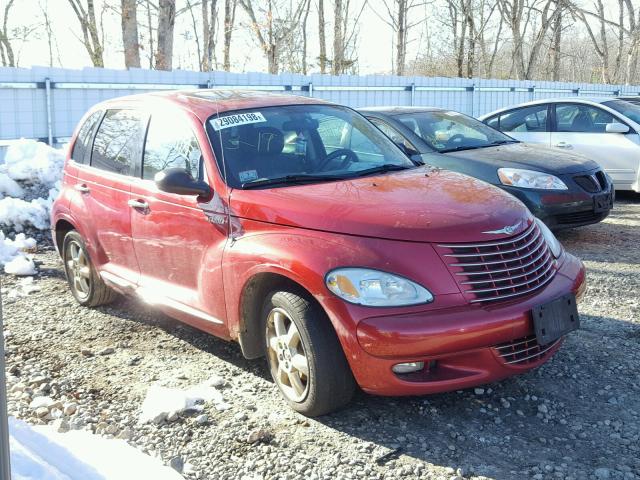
[(205, 102), (398, 110)]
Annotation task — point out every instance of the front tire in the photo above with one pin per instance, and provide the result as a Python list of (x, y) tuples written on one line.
[(304, 355), (86, 285)]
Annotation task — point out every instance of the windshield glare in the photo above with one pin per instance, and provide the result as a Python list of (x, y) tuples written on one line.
[(319, 140), (448, 131), (628, 109)]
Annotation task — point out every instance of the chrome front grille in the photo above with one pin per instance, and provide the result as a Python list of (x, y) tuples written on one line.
[(523, 350), (496, 270)]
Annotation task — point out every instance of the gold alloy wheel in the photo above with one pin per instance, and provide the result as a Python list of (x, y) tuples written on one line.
[(287, 358), (78, 269)]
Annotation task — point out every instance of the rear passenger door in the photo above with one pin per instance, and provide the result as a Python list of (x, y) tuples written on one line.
[(104, 185), (528, 124), (179, 241)]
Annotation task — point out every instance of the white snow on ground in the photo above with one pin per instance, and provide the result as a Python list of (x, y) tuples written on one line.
[(30, 168), (42, 453), (163, 402)]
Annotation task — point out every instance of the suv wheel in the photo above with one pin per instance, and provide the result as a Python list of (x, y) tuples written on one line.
[(86, 285), (304, 355)]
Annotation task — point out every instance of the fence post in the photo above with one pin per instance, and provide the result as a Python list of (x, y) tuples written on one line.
[(5, 466), (413, 94), (473, 91), (311, 89), (47, 92)]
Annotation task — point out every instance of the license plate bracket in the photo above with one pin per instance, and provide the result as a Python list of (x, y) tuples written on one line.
[(602, 202), (555, 319)]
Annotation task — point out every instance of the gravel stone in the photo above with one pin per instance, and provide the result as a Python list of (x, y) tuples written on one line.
[(569, 419)]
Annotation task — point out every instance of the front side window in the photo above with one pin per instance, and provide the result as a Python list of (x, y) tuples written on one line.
[(628, 108), (170, 144), (315, 141), (393, 134), (83, 140), (446, 131), (528, 119), (574, 117), (118, 142)]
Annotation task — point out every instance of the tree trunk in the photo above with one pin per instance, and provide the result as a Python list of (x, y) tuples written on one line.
[(556, 46), (150, 26), (401, 36), (130, 34), (338, 40), (91, 39), (472, 41), (229, 20), (304, 37), (323, 40), (166, 22)]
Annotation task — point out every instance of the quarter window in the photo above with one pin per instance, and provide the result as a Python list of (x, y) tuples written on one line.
[(117, 145), (528, 119), (170, 144), (83, 140), (393, 134), (581, 118)]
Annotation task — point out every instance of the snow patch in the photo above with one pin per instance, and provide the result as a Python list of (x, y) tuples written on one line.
[(164, 402), (42, 453), (30, 180)]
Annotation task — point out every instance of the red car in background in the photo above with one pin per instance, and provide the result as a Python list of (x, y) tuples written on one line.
[(298, 229)]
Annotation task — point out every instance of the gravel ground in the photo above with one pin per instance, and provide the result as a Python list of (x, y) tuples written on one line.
[(576, 417)]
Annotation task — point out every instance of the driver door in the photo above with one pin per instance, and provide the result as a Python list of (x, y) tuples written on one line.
[(177, 243)]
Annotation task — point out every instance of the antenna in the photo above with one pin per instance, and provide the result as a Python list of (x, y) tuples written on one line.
[(224, 167)]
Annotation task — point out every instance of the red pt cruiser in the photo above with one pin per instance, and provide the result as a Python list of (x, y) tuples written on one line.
[(298, 229)]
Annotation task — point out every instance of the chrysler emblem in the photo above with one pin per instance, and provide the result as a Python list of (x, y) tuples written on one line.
[(507, 230)]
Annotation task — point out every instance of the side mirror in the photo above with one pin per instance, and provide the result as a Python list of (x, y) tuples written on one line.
[(180, 182), (616, 128)]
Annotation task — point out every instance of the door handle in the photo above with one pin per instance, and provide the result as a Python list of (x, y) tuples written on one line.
[(141, 204), (563, 145), (81, 187)]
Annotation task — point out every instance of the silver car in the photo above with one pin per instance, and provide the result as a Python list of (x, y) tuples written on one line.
[(604, 129)]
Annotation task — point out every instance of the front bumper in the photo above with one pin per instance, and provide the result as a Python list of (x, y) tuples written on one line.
[(458, 345), (563, 209)]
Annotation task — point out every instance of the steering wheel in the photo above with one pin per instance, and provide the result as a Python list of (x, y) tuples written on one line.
[(349, 157), (457, 138)]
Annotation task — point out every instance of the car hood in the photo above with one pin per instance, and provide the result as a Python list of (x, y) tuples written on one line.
[(531, 157), (420, 205)]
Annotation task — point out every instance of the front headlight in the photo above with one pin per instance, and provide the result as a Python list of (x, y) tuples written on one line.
[(517, 177), (374, 288), (552, 241)]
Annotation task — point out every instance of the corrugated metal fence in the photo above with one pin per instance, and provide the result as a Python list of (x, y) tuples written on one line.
[(46, 103)]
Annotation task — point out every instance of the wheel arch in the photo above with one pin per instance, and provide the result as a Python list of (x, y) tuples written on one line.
[(61, 228), (252, 298)]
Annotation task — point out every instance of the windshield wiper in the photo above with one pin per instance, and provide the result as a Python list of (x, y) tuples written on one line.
[(387, 167), (464, 147), (502, 142), (300, 178)]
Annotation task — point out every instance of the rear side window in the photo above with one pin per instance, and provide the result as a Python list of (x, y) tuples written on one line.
[(118, 142), (528, 119), (170, 144), (83, 140), (393, 134)]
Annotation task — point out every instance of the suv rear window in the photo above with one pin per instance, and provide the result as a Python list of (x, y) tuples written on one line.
[(83, 141), (118, 142)]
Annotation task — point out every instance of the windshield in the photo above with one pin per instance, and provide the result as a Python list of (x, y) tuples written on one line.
[(447, 131), (299, 142), (628, 109)]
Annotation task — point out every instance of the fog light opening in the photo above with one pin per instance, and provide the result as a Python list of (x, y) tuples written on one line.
[(408, 367)]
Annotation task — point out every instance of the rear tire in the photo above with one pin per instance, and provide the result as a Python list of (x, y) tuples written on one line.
[(304, 355), (86, 285)]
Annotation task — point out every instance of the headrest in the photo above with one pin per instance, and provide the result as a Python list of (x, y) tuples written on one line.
[(262, 140)]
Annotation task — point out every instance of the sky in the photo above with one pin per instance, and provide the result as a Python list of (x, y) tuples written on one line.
[(375, 52)]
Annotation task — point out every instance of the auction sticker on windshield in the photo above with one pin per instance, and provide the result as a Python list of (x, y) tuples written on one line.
[(237, 119)]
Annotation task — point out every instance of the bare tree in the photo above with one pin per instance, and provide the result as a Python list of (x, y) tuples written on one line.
[(130, 41), (275, 26), (322, 59), (90, 37), (166, 22), (305, 18), (345, 33), (229, 23), (397, 17), (6, 50), (209, 15)]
